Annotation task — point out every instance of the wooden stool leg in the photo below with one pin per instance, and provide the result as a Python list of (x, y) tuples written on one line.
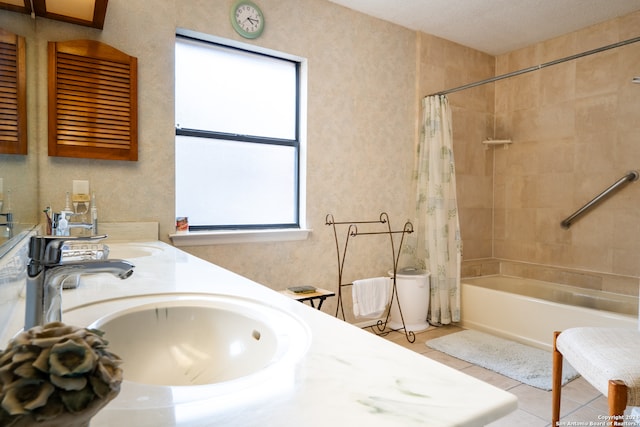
[(617, 397), (556, 382)]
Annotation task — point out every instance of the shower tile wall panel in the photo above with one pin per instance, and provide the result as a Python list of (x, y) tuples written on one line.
[(573, 127)]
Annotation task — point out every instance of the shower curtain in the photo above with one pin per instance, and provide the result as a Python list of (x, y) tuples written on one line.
[(436, 242)]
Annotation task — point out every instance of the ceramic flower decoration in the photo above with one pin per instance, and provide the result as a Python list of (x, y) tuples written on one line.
[(55, 375)]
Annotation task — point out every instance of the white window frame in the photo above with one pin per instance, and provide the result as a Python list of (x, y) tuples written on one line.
[(223, 236)]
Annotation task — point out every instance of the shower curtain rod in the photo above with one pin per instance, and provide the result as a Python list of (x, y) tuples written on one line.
[(538, 67)]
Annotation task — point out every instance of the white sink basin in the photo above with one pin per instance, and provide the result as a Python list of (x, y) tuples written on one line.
[(197, 345), (131, 250), (191, 342)]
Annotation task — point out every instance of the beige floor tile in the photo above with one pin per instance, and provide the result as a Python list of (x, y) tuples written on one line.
[(538, 402), (584, 415), (419, 346), (401, 339), (491, 377), (580, 391), (599, 404), (520, 419), (445, 359)]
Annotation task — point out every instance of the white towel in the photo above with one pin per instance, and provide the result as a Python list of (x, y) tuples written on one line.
[(371, 296)]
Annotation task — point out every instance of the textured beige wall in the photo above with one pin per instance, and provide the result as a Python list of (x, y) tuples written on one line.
[(575, 131), (19, 173), (361, 127), (125, 191)]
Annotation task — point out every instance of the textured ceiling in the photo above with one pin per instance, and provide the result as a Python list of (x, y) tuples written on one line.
[(494, 26)]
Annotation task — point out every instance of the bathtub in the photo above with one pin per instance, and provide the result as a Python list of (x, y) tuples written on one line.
[(529, 311)]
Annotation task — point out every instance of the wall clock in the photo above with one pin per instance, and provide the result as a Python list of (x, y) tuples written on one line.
[(247, 19)]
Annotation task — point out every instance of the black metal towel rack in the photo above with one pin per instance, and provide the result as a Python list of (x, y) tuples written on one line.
[(352, 231)]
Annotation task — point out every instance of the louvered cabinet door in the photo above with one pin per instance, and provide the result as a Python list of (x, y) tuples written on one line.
[(93, 111), (13, 94)]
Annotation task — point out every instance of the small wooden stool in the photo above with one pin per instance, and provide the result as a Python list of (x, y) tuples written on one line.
[(319, 294)]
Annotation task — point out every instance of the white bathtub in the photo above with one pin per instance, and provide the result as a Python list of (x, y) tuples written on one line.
[(529, 311)]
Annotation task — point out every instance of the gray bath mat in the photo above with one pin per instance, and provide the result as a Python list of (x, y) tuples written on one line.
[(523, 363)]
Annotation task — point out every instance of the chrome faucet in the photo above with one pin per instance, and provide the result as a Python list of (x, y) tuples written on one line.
[(55, 258), (8, 223), (61, 223)]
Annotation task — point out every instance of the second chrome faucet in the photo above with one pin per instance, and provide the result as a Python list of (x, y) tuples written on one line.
[(52, 259)]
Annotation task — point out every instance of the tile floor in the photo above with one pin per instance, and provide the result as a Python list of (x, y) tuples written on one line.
[(581, 403)]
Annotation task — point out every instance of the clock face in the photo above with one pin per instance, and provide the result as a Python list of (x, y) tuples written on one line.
[(247, 19)]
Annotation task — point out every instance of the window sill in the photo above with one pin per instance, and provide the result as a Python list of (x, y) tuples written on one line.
[(202, 238)]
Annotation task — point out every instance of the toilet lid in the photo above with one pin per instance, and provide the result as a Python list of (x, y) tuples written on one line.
[(410, 271)]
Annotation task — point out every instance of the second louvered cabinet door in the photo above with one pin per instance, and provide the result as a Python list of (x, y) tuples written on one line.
[(13, 94), (93, 108)]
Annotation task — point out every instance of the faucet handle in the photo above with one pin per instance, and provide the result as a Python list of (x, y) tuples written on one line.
[(83, 250), (47, 250)]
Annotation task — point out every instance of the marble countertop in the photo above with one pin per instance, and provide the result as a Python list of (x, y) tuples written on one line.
[(347, 377)]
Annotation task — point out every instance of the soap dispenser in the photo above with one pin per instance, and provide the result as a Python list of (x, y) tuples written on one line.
[(62, 227), (61, 220)]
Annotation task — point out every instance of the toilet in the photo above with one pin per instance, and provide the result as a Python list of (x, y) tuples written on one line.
[(413, 289)]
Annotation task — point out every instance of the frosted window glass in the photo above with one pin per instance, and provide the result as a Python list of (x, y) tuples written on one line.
[(235, 183), (228, 90)]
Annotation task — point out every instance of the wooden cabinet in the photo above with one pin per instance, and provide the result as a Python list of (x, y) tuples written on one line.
[(93, 107), (13, 94)]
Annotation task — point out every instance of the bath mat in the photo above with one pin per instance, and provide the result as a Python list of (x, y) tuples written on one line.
[(523, 363)]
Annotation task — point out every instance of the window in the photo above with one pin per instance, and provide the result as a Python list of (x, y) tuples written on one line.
[(239, 136)]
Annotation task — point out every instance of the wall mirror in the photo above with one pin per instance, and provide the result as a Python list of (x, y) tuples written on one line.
[(19, 172)]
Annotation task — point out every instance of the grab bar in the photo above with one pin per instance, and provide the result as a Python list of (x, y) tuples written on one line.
[(629, 177)]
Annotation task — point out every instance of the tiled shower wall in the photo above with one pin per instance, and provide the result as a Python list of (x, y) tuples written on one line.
[(575, 129)]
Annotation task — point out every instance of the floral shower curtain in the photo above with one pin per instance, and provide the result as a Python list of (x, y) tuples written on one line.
[(438, 247)]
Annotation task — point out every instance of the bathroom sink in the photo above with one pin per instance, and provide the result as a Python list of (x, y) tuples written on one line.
[(190, 342), (202, 345), (131, 250)]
